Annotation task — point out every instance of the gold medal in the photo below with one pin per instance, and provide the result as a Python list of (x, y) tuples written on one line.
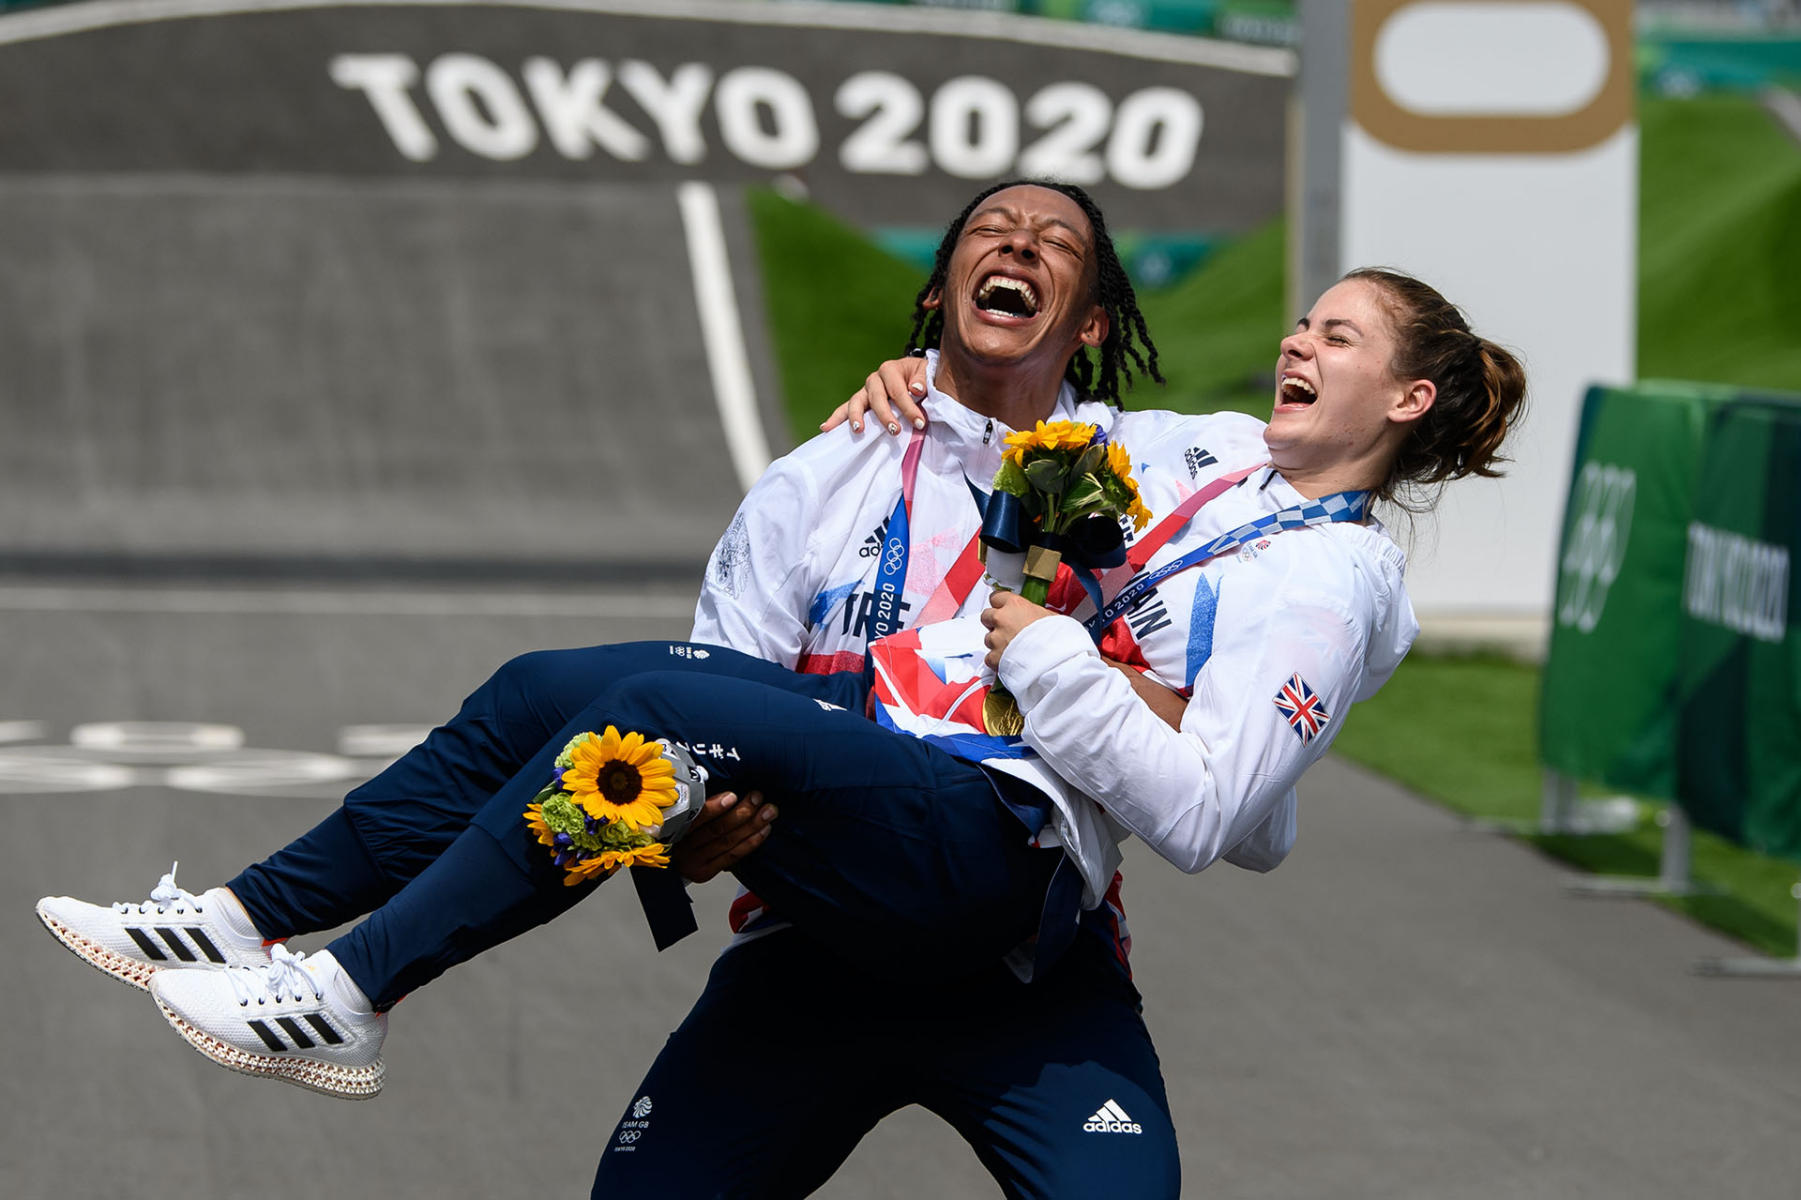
[(1000, 714)]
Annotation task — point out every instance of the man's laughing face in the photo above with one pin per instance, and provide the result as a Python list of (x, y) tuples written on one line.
[(1020, 284)]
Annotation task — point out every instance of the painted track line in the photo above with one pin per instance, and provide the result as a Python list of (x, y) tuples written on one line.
[(720, 329)]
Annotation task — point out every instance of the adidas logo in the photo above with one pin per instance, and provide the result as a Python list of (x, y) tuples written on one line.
[(872, 545), (1111, 1119), (291, 1027), (171, 938), (1196, 457)]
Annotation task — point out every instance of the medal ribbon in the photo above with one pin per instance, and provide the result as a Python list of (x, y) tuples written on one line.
[(891, 573), (1339, 506)]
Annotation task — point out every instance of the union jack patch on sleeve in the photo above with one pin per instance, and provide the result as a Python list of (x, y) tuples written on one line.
[(1305, 712)]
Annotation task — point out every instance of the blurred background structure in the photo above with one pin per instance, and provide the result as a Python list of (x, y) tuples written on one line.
[(354, 347)]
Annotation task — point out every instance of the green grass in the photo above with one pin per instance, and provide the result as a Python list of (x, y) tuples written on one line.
[(1463, 732), (1720, 243), (1216, 331), (837, 305)]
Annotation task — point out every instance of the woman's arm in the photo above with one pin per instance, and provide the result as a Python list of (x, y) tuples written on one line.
[(891, 395), (1195, 793)]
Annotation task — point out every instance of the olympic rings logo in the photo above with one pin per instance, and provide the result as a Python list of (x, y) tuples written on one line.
[(895, 556)]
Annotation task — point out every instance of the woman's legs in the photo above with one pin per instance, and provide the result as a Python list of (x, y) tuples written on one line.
[(394, 826), (890, 851)]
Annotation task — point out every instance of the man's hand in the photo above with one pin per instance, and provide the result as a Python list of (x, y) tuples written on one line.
[(723, 832), (1007, 613)]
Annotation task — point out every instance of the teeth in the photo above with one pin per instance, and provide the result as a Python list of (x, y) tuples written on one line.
[(1293, 385), (995, 283)]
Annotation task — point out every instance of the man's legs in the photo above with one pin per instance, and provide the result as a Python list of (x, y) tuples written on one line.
[(791, 1056), (1057, 1087), (775, 1075)]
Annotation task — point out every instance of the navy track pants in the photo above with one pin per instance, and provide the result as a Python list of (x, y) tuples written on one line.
[(1055, 1084), (890, 851)]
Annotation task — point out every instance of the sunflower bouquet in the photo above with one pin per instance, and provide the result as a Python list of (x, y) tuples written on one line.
[(1061, 491), (605, 806), (1060, 494)]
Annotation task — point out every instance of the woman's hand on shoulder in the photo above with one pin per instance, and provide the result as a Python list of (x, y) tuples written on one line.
[(891, 394)]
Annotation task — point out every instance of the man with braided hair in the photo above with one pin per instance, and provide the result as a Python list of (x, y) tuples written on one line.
[(792, 1054), (1127, 341)]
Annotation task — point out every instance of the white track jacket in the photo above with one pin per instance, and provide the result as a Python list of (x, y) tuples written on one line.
[(1273, 641)]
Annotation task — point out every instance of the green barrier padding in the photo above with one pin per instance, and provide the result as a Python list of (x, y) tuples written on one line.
[(1739, 728), (1608, 706)]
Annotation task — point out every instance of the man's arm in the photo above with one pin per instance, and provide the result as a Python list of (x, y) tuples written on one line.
[(1167, 704), (755, 594), (753, 599)]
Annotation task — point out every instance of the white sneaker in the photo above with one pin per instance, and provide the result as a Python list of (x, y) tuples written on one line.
[(299, 1019), (174, 928)]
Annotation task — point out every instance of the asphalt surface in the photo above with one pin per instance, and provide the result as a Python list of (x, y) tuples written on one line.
[(1405, 1009), (292, 376)]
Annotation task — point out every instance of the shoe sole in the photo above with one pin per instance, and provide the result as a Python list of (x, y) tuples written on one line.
[(132, 972), (347, 1083)]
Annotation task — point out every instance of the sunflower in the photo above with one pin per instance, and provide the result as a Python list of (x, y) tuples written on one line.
[(1119, 461), (1141, 516), (1051, 436), (581, 870), (616, 778), (655, 854), (585, 847), (1065, 435)]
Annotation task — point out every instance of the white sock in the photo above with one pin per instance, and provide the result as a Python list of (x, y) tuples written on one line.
[(342, 988), (237, 921)]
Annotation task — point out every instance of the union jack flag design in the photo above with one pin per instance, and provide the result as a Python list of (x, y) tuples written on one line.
[(930, 683), (1305, 711)]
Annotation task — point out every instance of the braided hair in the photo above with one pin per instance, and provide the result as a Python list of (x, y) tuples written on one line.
[(1128, 342)]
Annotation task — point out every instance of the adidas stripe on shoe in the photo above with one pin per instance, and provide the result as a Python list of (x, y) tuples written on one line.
[(298, 1019), (174, 928)]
